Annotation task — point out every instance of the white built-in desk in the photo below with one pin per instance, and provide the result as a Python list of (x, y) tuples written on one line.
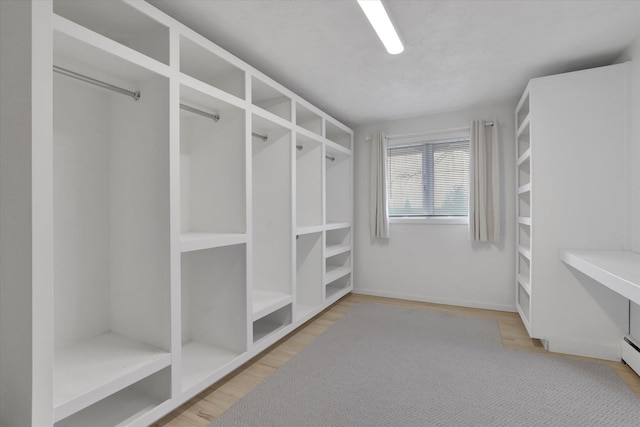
[(617, 270)]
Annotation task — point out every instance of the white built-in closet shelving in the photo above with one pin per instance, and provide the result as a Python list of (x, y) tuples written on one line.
[(524, 222), (192, 227), (571, 139)]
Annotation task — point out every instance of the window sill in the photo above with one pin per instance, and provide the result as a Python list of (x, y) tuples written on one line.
[(445, 220)]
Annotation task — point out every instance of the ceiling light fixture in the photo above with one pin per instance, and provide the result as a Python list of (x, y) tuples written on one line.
[(377, 15)]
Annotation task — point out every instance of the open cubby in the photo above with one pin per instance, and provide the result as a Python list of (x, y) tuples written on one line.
[(308, 273), (524, 172), (110, 232), (523, 112), (523, 141), (271, 323), (338, 241), (338, 135), (307, 119), (214, 305), (120, 22), (524, 236), (212, 167), (308, 182), (338, 286), (125, 406), (523, 299), (337, 265), (270, 99), (338, 194), (524, 204), (272, 216), (202, 64), (524, 265)]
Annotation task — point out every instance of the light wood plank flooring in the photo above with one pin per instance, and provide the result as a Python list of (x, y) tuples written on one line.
[(202, 409)]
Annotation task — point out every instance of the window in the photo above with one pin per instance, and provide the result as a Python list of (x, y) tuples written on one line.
[(429, 178)]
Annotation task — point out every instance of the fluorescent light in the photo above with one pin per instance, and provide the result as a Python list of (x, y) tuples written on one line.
[(377, 15)]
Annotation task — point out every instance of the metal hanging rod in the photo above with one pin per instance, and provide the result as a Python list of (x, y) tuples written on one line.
[(135, 95), (332, 158), (262, 137), (214, 117)]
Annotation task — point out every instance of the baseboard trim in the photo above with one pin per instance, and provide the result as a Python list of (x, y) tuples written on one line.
[(446, 301)]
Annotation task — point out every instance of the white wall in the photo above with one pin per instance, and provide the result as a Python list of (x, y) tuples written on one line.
[(15, 219), (633, 54), (438, 263)]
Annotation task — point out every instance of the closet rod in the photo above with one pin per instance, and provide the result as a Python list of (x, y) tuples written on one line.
[(135, 95), (332, 158), (262, 137), (214, 117)]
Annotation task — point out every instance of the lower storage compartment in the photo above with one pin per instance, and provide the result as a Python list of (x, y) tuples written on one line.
[(125, 406), (337, 288), (271, 323)]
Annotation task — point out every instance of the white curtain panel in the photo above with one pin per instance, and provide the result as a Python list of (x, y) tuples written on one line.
[(484, 197), (378, 212)]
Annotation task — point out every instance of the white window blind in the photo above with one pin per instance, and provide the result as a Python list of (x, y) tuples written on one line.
[(428, 179)]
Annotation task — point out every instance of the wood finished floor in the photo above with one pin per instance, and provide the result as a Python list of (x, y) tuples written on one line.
[(209, 404)]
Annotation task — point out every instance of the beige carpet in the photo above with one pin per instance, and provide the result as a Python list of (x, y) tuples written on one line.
[(389, 366)]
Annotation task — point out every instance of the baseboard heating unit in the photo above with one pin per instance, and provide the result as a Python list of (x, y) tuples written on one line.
[(631, 353)]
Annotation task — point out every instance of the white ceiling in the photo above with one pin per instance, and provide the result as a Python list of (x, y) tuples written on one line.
[(457, 54)]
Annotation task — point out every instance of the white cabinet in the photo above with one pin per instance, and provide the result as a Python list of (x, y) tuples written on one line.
[(168, 215), (571, 140)]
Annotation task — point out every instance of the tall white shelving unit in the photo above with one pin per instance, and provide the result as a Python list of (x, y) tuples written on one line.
[(571, 136), (523, 209), (179, 225)]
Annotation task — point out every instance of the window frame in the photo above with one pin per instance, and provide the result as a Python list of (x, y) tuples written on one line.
[(430, 138)]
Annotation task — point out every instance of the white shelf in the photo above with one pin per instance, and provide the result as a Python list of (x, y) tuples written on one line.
[(525, 252), (199, 361), (335, 148), (524, 220), (523, 279), (94, 369), (197, 241), (309, 229), (337, 225), (523, 100), (525, 156), (262, 330), (523, 126), (302, 310), (309, 134), (617, 270), (266, 302), (526, 188), (335, 293), (120, 409), (333, 250), (75, 41), (333, 273)]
